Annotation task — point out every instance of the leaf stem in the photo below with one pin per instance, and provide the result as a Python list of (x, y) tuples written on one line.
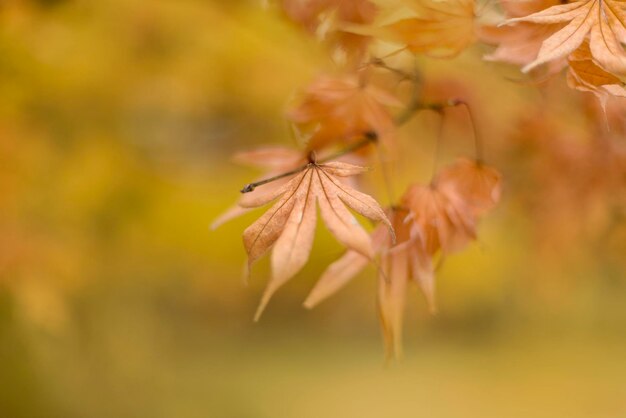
[(439, 140), (368, 137), (251, 186), (478, 145), (416, 106), (378, 62)]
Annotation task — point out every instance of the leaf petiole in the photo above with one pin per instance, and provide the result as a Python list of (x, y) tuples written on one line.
[(368, 137)]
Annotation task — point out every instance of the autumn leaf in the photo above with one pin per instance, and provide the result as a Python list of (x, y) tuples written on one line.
[(585, 75), (305, 12), (479, 185), (520, 44), (446, 211), (347, 14), (289, 225), (602, 21), (440, 28), (443, 220), (341, 109), (334, 17)]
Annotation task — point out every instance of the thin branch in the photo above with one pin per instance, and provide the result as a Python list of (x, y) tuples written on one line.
[(415, 102), (413, 106), (378, 62), (368, 138)]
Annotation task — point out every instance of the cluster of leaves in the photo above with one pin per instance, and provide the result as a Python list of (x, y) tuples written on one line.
[(348, 119), (584, 36)]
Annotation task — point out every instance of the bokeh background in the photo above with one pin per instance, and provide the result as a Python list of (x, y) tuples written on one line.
[(117, 120)]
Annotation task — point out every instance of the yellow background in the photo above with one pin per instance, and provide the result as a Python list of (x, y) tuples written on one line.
[(117, 119)]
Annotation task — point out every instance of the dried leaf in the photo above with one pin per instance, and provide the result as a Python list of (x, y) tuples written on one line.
[(342, 110), (479, 185), (441, 28), (585, 75), (329, 19), (442, 219), (520, 44), (289, 225), (603, 21)]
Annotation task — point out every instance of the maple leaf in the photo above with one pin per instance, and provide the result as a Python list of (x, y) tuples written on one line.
[(479, 185), (274, 160), (442, 219), (602, 21), (305, 12), (446, 211), (311, 14), (342, 110), (288, 227), (441, 28), (521, 43), (349, 13), (585, 75)]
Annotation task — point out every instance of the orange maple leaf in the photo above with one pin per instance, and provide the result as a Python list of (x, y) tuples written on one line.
[(602, 21), (479, 185), (441, 28), (342, 110), (585, 75), (289, 225), (446, 211), (442, 220), (521, 43), (312, 13)]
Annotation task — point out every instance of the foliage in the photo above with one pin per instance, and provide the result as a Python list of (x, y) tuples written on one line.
[(117, 116), (361, 100)]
